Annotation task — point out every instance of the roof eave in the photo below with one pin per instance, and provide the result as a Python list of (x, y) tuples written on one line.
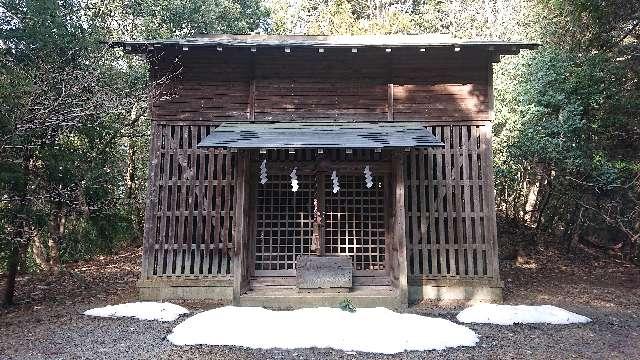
[(144, 47)]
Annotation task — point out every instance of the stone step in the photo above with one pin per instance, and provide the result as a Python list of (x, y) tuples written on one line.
[(286, 297)]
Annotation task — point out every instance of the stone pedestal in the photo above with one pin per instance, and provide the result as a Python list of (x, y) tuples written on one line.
[(324, 273)]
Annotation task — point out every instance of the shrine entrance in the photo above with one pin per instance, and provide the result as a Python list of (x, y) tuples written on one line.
[(315, 220), (328, 194)]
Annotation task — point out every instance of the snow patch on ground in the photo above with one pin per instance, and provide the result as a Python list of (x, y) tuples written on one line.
[(376, 330), (523, 314), (141, 310)]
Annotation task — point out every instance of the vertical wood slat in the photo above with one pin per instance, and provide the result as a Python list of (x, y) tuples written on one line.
[(461, 216), (180, 235), (219, 246), (239, 230), (164, 220), (173, 201), (491, 241), (208, 210), (184, 230), (149, 235), (433, 259), (188, 173), (492, 248), (456, 227), (390, 114), (468, 208), (449, 244), (440, 208), (229, 199), (320, 194), (413, 195), (398, 255), (424, 216), (477, 191), (200, 215)]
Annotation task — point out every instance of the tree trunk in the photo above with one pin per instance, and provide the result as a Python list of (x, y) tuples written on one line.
[(19, 222), (12, 272), (572, 232), (56, 229), (39, 252)]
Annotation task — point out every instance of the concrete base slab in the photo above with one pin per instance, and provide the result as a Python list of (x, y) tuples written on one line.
[(483, 293), (160, 290), (290, 298)]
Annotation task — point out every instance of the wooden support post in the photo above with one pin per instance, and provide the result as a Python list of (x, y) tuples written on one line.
[(148, 238), (250, 233), (398, 255), (390, 115), (317, 242), (489, 199), (239, 231)]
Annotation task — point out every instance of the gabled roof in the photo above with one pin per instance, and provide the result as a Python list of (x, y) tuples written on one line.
[(314, 41), (318, 135)]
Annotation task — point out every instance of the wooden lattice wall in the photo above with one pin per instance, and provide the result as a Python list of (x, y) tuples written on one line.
[(355, 223), (450, 218), (354, 218), (189, 216), (284, 222)]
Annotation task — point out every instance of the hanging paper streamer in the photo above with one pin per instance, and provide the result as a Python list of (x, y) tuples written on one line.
[(336, 184), (294, 180), (263, 172), (367, 177)]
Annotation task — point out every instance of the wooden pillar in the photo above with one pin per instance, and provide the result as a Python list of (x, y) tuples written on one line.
[(239, 227), (317, 242), (398, 255), (493, 267), (148, 237)]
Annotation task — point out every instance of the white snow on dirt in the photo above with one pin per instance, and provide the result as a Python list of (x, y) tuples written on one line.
[(161, 311), (522, 314), (376, 330)]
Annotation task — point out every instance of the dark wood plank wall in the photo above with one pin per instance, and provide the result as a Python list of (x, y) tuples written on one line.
[(450, 226), (269, 84)]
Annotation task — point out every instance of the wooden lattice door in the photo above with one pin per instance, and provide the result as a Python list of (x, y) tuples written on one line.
[(284, 224), (354, 222)]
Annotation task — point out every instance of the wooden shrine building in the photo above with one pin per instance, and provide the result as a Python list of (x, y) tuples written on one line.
[(302, 170)]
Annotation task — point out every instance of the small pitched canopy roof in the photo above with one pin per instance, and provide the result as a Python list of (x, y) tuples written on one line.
[(237, 135), (341, 41)]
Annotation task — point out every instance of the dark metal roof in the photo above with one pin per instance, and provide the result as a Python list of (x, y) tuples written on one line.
[(344, 41), (238, 135)]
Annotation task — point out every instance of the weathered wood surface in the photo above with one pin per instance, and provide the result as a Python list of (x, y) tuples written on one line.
[(450, 218), (270, 85), (240, 231), (189, 211), (324, 272), (355, 221), (398, 247), (450, 223)]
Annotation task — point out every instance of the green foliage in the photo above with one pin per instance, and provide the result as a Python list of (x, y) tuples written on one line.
[(566, 132), (347, 305), (74, 133), (177, 18)]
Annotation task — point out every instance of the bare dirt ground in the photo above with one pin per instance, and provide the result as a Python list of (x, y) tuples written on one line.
[(48, 322)]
